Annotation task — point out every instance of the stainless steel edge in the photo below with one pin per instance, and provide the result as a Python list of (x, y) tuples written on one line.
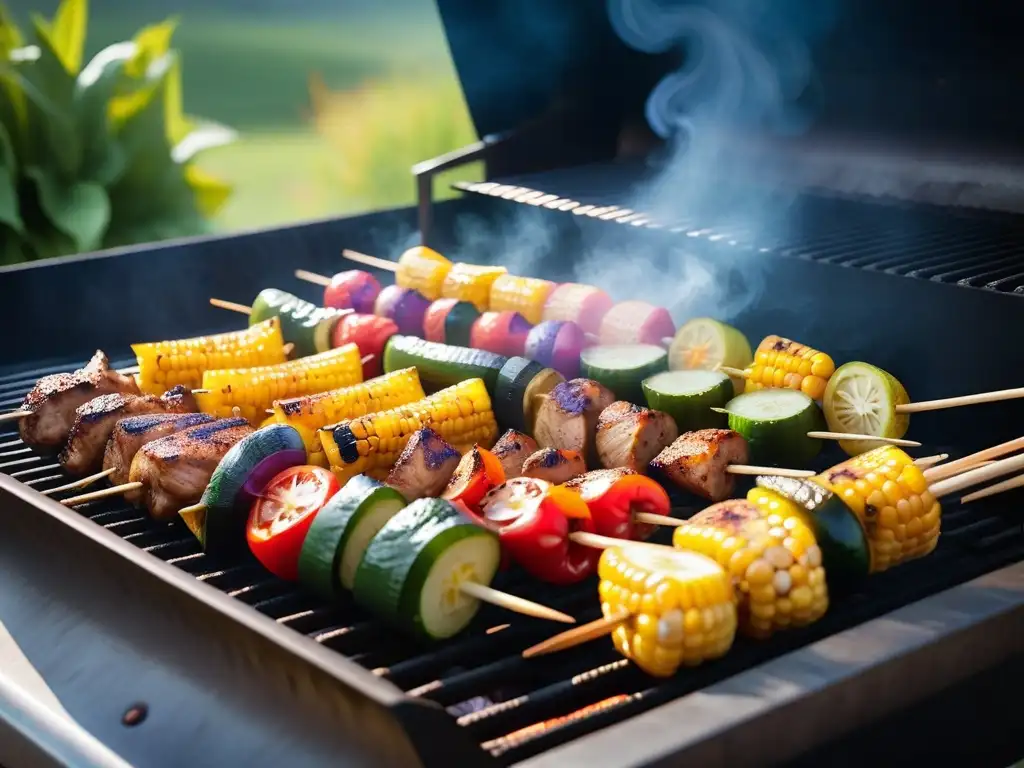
[(812, 696)]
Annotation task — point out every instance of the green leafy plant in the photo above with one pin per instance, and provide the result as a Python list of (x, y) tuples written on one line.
[(102, 155)]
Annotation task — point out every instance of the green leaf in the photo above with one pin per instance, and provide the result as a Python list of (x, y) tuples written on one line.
[(55, 144), (13, 110), (103, 160), (12, 249), (211, 192), (207, 135), (80, 210), (9, 212), (152, 43), (67, 33)]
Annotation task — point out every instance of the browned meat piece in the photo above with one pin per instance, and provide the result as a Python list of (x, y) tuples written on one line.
[(132, 433), (175, 470), (512, 449), (698, 462), (630, 436), (95, 421), (54, 400), (425, 466), (554, 466), (567, 416)]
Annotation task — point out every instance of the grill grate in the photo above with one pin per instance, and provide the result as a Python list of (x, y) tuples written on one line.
[(498, 697), (948, 245)]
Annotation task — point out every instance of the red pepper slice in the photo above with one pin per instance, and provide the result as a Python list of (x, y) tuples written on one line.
[(614, 495), (368, 332), (282, 514), (434, 318), (478, 473), (534, 520)]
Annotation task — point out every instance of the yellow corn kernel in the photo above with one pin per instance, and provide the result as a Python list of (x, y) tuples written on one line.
[(424, 270), (681, 605), (165, 364), (356, 446), (890, 495), (468, 282), (525, 295), (785, 364), (254, 390), (772, 559)]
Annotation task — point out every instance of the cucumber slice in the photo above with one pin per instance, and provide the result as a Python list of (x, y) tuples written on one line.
[(706, 344), (689, 396), (303, 323), (410, 573), (442, 365), (775, 423), (521, 382), (342, 530), (218, 521), (862, 399), (622, 367), (844, 544)]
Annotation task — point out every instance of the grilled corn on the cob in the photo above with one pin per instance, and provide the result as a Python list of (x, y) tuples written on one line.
[(680, 604), (525, 295), (254, 390), (783, 363), (165, 364), (890, 496), (371, 444), (309, 413), (774, 561), (424, 270), (468, 282)]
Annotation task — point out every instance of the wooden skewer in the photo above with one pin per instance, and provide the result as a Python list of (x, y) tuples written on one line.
[(231, 305), (976, 476), (850, 436), (958, 465), (103, 493), (597, 541), (370, 261), (80, 483), (14, 415), (513, 603), (313, 277), (577, 635), (992, 490), (751, 469), (931, 461), (651, 518)]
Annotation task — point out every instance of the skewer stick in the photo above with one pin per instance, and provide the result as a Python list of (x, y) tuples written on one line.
[(577, 635), (992, 490), (313, 277), (651, 518), (931, 461), (850, 436), (370, 261), (513, 603), (597, 541), (130, 370), (103, 493), (81, 482), (231, 305), (976, 476), (958, 465), (751, 469), (14, 415)]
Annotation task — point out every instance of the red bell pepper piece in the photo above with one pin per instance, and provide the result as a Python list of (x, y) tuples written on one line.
[(614, 495), (368, 332), (353, 288), (534, 520), (478, 473)]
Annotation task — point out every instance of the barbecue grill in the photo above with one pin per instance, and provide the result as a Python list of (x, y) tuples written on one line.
[(166, 656)]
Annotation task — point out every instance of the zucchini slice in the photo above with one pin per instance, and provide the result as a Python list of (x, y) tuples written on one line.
[(218, 521), (622, 367), (442, 365), (342, 530), (862, 399), (689, 396), (412, 569), (775, 423), (706, 344), (521, 382)]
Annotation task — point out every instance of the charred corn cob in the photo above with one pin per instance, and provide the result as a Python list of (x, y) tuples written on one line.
[(309, 413), (423, 270), (468, 282), (165, 364), (774, 561), (254, 390), (371, 444), (681, 606), (890, 496), (525, 295), (782, 363)]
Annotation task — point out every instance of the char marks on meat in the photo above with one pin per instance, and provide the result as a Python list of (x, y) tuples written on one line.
[(131, 433), (698, 462), (567, 416), (630, 435), (424, 467), (554, 466), (512, 449)]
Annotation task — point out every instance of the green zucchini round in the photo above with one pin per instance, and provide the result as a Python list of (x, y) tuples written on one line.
[(689, 396), (520, 383), (775, 423), (442, 365), (622, 367)]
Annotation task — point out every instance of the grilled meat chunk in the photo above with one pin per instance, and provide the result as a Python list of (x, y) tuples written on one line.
[(554, 466), (630, 435), (54, 400), (698, 462), (175, 470), (425, 466), (95, 421), (567, 416), (131, 433), (512, 449)]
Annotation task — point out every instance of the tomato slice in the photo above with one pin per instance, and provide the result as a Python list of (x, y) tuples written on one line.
[(281, 516)]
